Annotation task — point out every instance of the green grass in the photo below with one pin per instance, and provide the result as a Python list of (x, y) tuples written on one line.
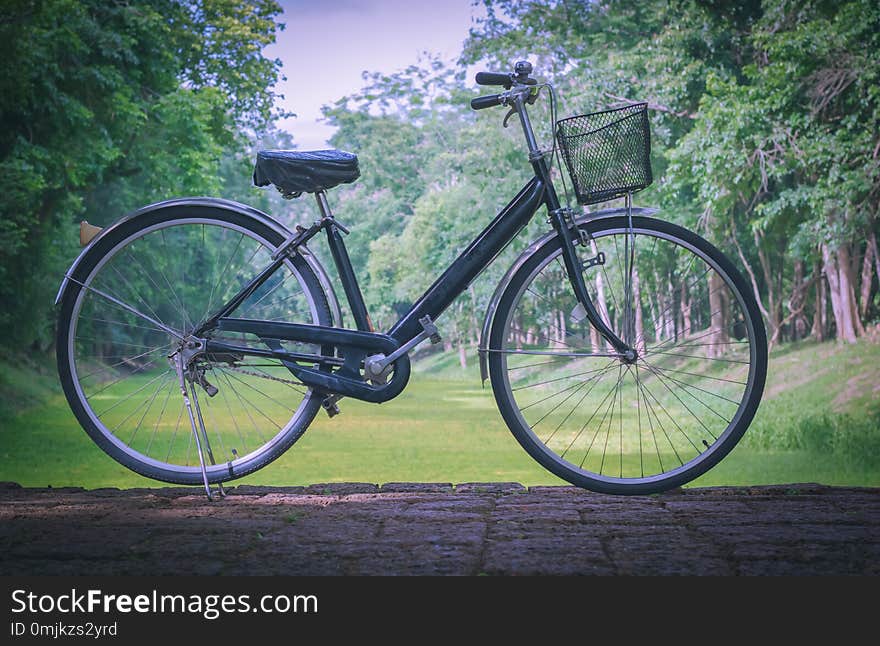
[(446, 428)]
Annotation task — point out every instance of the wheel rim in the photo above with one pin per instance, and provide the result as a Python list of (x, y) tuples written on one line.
[(130, 391), (667, 416)]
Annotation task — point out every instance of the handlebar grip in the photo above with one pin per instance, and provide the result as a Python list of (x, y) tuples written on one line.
[(493, 78), (488, 101)]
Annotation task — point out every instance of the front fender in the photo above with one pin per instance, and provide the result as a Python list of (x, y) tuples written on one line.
[(241, 209), (521, 259)]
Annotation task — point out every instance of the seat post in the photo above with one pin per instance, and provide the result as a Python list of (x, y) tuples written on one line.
[(323, 204)]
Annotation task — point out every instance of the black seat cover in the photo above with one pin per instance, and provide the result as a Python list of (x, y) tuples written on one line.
[(294, 171)]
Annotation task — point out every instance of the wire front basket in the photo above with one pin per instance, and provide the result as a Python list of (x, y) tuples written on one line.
[(608, 154)]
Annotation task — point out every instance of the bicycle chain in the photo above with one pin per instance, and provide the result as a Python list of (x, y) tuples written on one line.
[(263, 375)]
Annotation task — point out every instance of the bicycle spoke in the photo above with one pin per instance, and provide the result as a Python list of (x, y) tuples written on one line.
[(187, 324), (556, 394), (686, 384), (135, 309), (137, 294), (533, 365), (130, 395), (244, 400), (176, 430), (127, 308), (696, 356), (147, 410), (639, 413), (580, 432), (221, 276), (550, 381), (667, 410), (671, 419), (231, 414), (595, 381), (601, 424), (650, 423), (686, 387), (116, 381), (557, 354), (159, 419), (125, 361), (694, 374), (611, 417)]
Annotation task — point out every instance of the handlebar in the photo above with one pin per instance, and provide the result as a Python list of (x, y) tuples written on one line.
[(520, 77), (488, 101), (494, 78)]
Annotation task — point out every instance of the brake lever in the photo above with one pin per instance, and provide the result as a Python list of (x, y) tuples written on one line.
[(509, 114)]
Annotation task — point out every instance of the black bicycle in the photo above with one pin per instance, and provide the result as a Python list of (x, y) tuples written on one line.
[(198, 338)]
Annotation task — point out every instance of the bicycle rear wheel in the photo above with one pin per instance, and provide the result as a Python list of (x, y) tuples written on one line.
[(606, 422), (145, 285)]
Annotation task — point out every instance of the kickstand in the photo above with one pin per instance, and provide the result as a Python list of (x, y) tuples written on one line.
[(207, 444), (178, 364)]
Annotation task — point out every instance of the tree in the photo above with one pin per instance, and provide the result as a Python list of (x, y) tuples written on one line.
[(106, 106)]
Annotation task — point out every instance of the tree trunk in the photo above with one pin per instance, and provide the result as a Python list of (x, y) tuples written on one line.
[(685, 302), (751, 273), (770, 285), (658, 328), (639, 322), (462, 355), (595, 339), (562, 331), (867, 276), (848, 278), (797, 302), (836, 265), (601, 306), (872, 241), (718, 337), (818, 330), (475, 324)]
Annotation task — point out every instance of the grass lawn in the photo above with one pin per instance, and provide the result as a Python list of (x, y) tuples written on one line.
[(445, 428)]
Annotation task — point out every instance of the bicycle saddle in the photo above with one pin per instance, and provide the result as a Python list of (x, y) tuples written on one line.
[(295, 172)]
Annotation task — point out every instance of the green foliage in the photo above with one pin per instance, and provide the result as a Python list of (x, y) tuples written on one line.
[(105, 107), (855, 439), (764, 119), (417, 438)]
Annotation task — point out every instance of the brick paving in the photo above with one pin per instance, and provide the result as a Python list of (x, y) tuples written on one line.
[(438, 529)]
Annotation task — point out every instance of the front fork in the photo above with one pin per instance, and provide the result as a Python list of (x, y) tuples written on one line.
[(574, 269)]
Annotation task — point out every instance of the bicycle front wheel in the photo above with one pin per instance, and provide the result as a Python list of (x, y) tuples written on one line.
[(616, 424), (141, 289)]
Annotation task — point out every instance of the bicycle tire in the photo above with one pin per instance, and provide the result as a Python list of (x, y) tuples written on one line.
[(116, 251), (663, 365)]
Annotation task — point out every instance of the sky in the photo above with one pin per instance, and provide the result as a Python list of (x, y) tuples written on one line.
[(327, 44)]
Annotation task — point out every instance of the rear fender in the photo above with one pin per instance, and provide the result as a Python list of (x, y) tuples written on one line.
[(229, 205)]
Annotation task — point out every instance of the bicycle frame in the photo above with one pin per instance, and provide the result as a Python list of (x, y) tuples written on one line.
[(411, 327)]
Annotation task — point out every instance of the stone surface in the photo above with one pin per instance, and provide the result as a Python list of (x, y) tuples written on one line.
[(438, 529)]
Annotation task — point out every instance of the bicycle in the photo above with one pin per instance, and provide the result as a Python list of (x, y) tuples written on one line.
[(198, 338)]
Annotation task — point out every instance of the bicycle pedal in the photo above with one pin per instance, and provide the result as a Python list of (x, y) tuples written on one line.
[(209, 388), (330, 407), (431, 329)]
